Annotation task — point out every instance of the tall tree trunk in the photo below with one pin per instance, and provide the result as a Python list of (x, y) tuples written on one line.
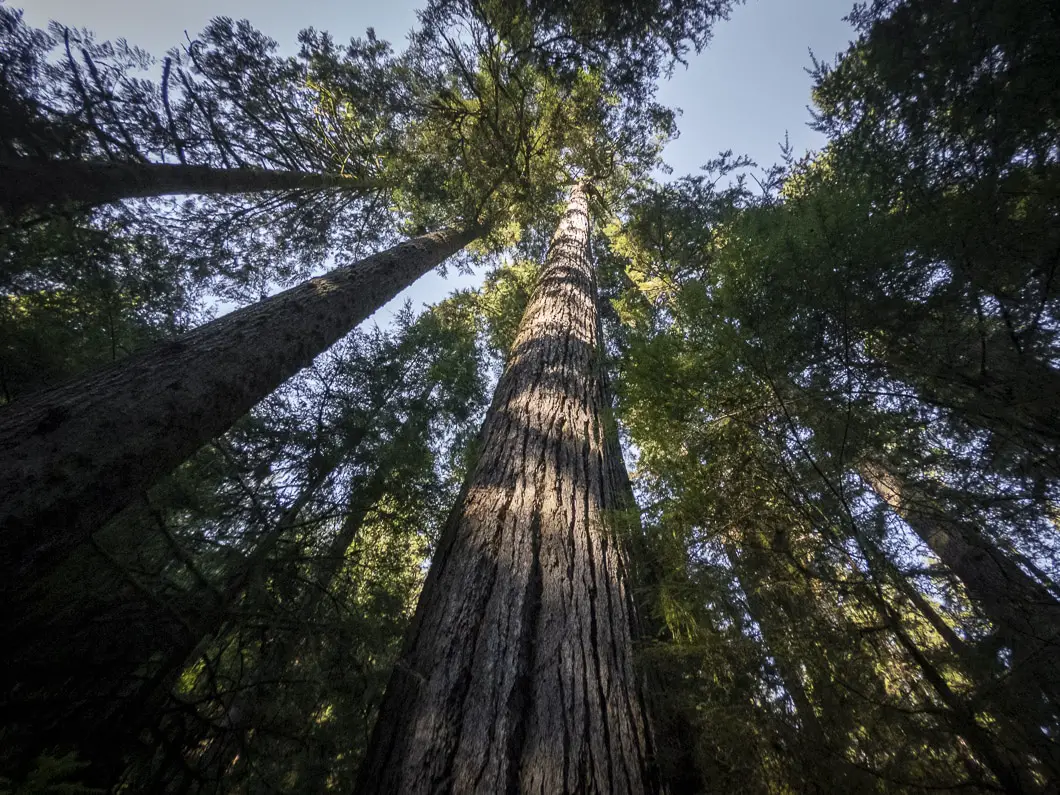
[(31, 184), (764, 614), (1024, 610), (73, 456), (823, 761), (1016, 708), (517, 674)]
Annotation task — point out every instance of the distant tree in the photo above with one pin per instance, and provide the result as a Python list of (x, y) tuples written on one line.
[(746, 331)]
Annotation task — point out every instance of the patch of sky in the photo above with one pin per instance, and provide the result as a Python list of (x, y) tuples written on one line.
[(745, 92)]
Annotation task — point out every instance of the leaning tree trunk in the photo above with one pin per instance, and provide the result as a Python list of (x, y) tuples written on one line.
[(1024, 610), (31, 184), (72, 457), (517, 674), (102, 647), (822, 760), (765, 615)]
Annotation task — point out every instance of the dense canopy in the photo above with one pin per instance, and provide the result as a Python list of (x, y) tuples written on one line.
[(739, 481)]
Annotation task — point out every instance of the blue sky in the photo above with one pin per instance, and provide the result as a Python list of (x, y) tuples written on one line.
[(743, 92)]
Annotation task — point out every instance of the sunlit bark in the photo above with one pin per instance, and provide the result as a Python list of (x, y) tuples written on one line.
[(518, 671)]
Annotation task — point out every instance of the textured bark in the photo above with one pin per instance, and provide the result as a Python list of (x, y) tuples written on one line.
[(1022, 608), (35, 184), (1025, 612), (73, 456), (518, 671)]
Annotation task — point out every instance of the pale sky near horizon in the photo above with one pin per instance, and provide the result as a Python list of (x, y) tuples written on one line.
[(744, 92)]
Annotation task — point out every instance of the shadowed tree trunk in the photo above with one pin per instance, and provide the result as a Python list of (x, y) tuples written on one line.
[(517, 675), (35, 184), (72, 457), (1024, 610), (824, 762), (764, 615)]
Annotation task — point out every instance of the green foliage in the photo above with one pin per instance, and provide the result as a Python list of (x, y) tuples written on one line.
[(51, 775), (884, 311), (77, 296), (252, 605), (632, 44), (884, 301)]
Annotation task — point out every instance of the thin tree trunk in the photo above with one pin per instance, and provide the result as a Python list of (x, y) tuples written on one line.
[(255, 708), (138, 638), (932, 616), (31, 184), (518, 670), (209, 624), (963, 721), (1024, 610), (826, 764), (763, 615), (73, 456), (213, 623), (1017, 708), (1011, 775)]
